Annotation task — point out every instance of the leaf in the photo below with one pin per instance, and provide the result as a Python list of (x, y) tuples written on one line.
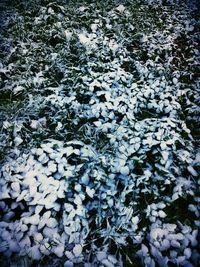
[(90, 192), (59, 250), (192, 171), (68, 263), (77, 250)]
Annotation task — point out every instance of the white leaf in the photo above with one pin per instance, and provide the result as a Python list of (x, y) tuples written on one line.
[(192, 171), (18, 89), (68, 264), (24, 228), (45, 248), (120, 8), (180, 260), (77, 250), (187, 253), (78, 188), (34, 220), (52, 167), (97, 123), (18, 140), (165, 155), (94, 27), (144, 250), (175, 80), (101, 255), (107, 263), (73, 237), (80, 210), (135, 220), (162, 214), (69, 255), (35, 253), (59, 250), (47, 148), (175, 244), (68, 207), (165, 245), (68, 34), (35, 124), (38, 237), (15, 186), (112, 259), (124, 170), (32, 191), (90, 192), (47, 214), (52, 223)]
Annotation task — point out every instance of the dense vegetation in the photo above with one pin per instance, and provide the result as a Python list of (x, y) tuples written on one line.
[(99, 117)]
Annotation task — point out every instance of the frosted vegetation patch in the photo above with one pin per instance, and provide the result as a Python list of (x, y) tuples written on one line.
[(61, 195), (99, 137)]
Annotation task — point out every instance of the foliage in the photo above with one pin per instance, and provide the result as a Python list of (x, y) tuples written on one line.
[(99, 129)]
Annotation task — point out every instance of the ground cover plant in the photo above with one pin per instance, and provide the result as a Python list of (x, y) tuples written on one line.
[(99, 118)]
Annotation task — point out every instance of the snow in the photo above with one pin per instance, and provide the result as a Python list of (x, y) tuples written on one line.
[(99, 133)]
